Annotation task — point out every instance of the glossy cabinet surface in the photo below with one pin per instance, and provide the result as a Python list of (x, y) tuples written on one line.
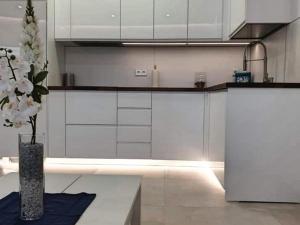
[(237, 13), (217, 120), (134, 99), (205, 19), (137, 19), (62, 19), (94, 19), (91, 107), (57, 124), (134, 117), (91, 141), (134, 151), (170, 19), (177, 126)]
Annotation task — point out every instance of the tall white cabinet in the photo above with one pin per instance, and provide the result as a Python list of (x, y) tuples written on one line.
[(95, 19), (177, 126), (137, 19), (205, 19)]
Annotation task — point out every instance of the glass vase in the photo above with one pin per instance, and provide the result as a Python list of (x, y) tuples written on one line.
[(31, 175)]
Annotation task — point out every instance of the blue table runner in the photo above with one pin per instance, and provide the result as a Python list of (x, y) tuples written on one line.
[(60, 209)]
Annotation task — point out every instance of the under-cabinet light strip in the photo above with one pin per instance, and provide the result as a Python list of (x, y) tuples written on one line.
[(184, 44)]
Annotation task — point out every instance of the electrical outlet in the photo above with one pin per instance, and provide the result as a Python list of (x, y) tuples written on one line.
[(140, 72)]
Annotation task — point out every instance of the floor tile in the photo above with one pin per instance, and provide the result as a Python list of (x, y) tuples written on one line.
[(153, 191), (216, 216), (152, 215), (286, 216)]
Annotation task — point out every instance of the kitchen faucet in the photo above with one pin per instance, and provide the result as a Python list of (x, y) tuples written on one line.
[(266, 78)]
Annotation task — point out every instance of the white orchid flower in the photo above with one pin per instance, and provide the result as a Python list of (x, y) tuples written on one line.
[(28, 107), (19, 120), (4, 83), (24, 85)]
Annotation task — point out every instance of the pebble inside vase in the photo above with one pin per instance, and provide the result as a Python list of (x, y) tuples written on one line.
[(31, 174)]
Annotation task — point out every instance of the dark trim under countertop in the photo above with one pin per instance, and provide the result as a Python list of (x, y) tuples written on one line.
[(112, 88), (225, 86), (219, 87)]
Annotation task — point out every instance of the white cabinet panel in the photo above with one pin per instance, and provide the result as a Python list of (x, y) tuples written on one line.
[(91, 141), (177, 126), (134, 117), (137, 19), (56, 124), (237, 13), (217, 117), (134, 151), (62, 19), (170, 19), (205, 19), (94, 107), (134, 99), (95, 19), (134, 134)]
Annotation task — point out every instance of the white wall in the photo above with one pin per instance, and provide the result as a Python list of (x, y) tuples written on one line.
[(177, 65)]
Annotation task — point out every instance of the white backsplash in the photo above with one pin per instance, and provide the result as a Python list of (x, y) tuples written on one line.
[(177, 65), (283, 53)]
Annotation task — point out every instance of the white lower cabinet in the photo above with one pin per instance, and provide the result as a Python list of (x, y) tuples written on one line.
[(134, 151), (134, 134), (91, 141), (134, 117), (217, 120), (57, 124), (177, 126)]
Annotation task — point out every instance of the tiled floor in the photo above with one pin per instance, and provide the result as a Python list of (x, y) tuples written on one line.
[(192, 196)]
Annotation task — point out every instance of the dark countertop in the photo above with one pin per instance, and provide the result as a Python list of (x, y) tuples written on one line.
[(112, 88), (219, 87)]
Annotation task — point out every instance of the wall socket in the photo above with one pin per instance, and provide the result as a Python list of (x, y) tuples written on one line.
[(141, 73)]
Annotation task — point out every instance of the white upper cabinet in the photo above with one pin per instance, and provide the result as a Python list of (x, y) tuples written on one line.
[(238, 13), (205, 19), (259, 18), (137, 19), (95, 19), (62, 19), (170, 19)]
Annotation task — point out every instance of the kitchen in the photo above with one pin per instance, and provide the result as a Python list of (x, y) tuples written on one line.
[(106, 108)]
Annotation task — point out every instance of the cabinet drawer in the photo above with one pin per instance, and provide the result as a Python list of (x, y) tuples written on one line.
[(134, 99), (88, 141), (134, 134), (91, 107), (134, 151), (134, 117)]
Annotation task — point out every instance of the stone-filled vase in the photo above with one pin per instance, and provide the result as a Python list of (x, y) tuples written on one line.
[(31, 175)]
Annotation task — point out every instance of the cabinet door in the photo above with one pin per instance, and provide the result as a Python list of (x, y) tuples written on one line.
[(57, 124), (237, 13), (91, 107), (91, 141), (217, 117), (177, 126), (137, 19), (62, 19), (170, 19), (95, 19), (205, 19)]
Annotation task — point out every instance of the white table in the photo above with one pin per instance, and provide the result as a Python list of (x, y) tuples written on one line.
[(118, 200)]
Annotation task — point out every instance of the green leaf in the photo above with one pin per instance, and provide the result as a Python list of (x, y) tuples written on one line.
[(31, 73), (36, 96), (41, 89), (40, 77), (3, 102)]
